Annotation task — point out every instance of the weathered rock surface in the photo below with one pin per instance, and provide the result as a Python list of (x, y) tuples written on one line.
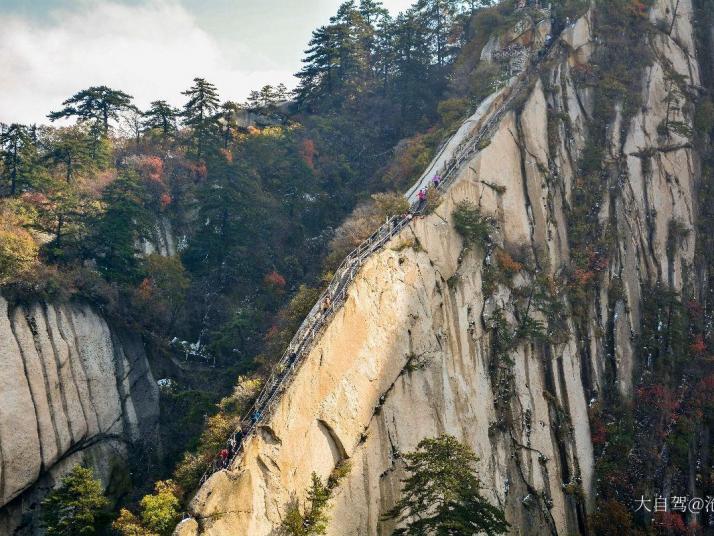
[(71, 391), (161, 239), (354, 398)]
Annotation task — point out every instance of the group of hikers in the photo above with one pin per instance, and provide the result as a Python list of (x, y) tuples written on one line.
[(226, 454)]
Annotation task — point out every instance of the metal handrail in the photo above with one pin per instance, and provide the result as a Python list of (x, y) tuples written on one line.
[(301, 343)]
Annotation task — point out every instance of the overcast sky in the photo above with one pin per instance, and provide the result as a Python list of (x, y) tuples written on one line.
[(152, 49)]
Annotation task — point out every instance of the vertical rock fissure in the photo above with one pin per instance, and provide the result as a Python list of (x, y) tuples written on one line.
[(57, 360), (33, 395), (90, 387), (71, 337), (121, 377), (31, 322)]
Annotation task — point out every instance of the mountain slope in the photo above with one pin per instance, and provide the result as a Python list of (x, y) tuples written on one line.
[(509, 344)]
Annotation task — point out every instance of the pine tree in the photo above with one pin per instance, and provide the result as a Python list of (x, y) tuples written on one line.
[(70, 149), (253, 101), (281, 92), (97, 104), (117, 231), (161, 116), (77, 507), (413, 83), (439, 17), (372, 12), (18, 154), (267, 96), (314, 521), (318, 74), (200, 113), (228, 123), (373, 17), (338, 62), (383, 53), (442, 493)]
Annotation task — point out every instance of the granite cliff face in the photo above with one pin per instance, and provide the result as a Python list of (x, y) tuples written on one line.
[(72, 391), (411, 354)]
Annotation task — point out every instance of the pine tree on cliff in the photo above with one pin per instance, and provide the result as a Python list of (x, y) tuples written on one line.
[(161, 116), (77, 508), (442, 494), (314, 521), (97, 104), (200, 113)]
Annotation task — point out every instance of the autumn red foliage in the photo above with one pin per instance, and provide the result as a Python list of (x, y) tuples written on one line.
[(146, 289), (307, 152), (506, 262), (698, 346), (598, 432), (152, 167), (669, 523), (275, 280), (583, 277), (165, 200)]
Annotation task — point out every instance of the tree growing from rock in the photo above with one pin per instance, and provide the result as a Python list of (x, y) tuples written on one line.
[(314, 521), (442, 494), (77, 508)]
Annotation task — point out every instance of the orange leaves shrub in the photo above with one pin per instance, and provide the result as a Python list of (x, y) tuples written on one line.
[(150, 167), (506, 262), (307, 152), (165, 200), (274, 280), (583, 277)]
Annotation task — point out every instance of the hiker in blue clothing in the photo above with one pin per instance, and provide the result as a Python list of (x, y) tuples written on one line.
[(255, 417), (436, 180)]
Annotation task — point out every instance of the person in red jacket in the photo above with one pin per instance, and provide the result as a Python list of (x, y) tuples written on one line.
[(421, 196)]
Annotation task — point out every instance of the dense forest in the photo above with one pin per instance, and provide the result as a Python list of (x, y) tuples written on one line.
[(256, 205)]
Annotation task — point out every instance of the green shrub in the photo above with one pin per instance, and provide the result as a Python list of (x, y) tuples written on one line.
[(474, 228), (704, 116), (77, 507)]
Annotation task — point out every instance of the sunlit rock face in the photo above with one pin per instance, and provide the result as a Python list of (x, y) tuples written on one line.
[(72, 391), (358, 395)]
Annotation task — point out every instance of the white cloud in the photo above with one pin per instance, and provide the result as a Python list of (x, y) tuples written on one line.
[(151, 51)]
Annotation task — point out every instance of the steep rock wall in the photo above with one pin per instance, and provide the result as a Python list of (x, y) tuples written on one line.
[(358, 397), (71, 390)]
